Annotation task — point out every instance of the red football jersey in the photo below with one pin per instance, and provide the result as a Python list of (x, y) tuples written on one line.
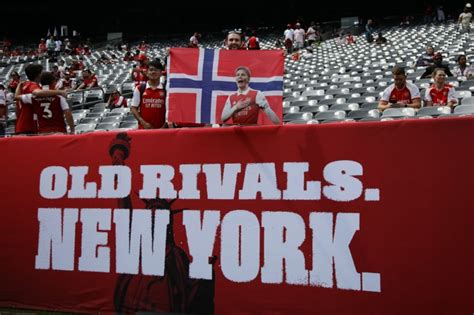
[(26, 120), (49, 111), (441, 97), (249, 114), (151, 104)]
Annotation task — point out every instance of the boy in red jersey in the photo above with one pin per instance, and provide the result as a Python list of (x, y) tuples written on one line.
[(26, 120), (50, 110), (148, 102)]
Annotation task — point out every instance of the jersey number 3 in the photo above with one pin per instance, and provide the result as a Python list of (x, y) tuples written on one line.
[(47, 113)]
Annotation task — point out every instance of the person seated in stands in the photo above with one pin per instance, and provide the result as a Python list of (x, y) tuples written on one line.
[(437, 63), (253, 42), (307, 53), (380, 39), (194, 40), (426, 59), (350, 39), (143, 46), (14, 81), (128, 56), (66, 82), (245, 105), (79, 50), (55, 72), (116, 100), (139, 72), (50, 111), (87, 50), (401, 93), (77, 65), (67, 46), (440, 93), (89, 80), (462, 69), (42, 48)]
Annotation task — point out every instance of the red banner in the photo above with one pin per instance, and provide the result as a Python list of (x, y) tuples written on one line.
[(354, 218)]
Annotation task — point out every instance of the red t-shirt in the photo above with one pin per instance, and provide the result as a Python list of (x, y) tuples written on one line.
[(249, 114), (26, 120), (119, 101), (441, 97), (152, 105), (49, 111), (92, 79)]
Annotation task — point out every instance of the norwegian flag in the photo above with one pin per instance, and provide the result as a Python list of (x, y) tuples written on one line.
[(200, 81)]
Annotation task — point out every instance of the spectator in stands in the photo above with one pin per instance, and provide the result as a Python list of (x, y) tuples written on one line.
[(462, 69), (66, 82), (89, 80), (426, 59), (139, 72), (67, 46), (299, 35), (437, 63), (51, 46), (289, 35), (61, 67), (401, 93), (87, 50), (128, 56), (380, 39), (194, 40), (3, 110), (440, 93), (369, 30), (143, 46), (233, 40), (148, 102), (25, 123), (253, 42), (350, 39), (14, 81), (440, 15), (116, 100), (51, 111), (42, 48), (465, 18), (244, 106), (55, 72), (311, 34), (57, 47)]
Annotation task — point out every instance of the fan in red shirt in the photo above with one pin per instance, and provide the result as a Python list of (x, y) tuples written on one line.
[(14, 81), (440, 93), (139, 72), (50, 111), (401, 93), (89, 80), (148, 102), (26, 122), (116, 100), (253, 43)]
